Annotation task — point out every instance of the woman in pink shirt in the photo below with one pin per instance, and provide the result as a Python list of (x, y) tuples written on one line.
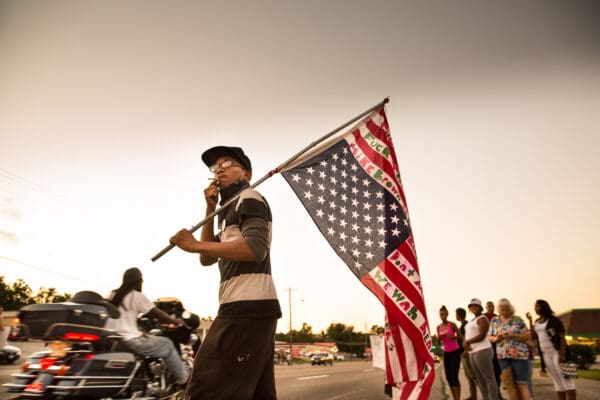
[(449, 334)]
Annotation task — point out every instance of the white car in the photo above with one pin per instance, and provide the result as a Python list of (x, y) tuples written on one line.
[(322, 359)]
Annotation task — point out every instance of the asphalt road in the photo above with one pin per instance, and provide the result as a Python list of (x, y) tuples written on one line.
[(344, 380), (356, 380), (347, 380)]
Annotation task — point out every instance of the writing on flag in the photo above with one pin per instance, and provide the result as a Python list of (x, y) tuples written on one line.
[(351, 188)]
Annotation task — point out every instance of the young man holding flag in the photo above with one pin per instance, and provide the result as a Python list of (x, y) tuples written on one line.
[(351, 187), (235, 361)]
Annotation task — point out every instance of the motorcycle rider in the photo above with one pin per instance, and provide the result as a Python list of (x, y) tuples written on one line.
[(131, 302)]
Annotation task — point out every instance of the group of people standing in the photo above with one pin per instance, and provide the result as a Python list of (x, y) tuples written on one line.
[(497, 350)]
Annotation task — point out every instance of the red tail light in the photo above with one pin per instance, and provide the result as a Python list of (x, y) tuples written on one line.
[(35, 386), (84, 337)]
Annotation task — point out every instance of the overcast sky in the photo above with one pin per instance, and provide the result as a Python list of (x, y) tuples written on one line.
[(106, 106)]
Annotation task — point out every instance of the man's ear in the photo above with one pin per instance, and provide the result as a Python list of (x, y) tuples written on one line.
[(247, 175)]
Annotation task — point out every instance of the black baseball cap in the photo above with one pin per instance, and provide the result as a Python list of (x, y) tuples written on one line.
[(210, 156)]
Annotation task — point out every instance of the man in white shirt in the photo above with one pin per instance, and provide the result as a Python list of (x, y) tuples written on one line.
[(131, 302)]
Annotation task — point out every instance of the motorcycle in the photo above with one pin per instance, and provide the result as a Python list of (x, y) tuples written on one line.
[(186, 343), (84, 360)]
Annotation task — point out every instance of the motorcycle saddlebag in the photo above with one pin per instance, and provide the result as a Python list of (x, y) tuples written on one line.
[(103, 375), (51, 321)]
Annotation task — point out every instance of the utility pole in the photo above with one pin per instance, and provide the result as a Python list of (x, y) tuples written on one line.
[(290, 303), (291, 336)]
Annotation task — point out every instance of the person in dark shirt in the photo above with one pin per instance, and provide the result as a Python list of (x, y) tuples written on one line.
[(235, 361)]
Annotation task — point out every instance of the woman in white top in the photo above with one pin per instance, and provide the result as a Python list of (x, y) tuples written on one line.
[(479, 350), (131, 302), (550, 333)]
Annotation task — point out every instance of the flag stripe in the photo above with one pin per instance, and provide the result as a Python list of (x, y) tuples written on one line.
[(410, 288), (416, 327), (385, 178), (395, 357), (389, 179), (411, 357), (407, 250), (397, 315), (388, 141)]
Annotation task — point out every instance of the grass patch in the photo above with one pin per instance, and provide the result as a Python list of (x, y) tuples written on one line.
[(589, 374), (583, 373)]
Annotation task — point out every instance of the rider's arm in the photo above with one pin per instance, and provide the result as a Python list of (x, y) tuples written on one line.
[(163, 316)]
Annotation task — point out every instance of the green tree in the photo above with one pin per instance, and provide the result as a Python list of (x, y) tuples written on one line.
[(345, 338), (377, 330), (304, 335), (15, 296), (18, 294), (50, 295)]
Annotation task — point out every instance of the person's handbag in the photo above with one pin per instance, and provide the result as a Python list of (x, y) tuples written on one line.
[(569, 370)]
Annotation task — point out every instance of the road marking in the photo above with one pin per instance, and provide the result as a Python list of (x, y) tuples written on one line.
[(312, 377), (369, 370)]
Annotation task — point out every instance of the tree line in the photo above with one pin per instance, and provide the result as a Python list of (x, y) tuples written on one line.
[(344, 336), (15, 295)]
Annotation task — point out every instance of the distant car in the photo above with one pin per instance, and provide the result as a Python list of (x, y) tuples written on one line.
[(340, 357), (322, 359), (10, 354), (17, 333)]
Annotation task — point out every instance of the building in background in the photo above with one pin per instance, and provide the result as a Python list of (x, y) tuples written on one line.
[(582, 325)]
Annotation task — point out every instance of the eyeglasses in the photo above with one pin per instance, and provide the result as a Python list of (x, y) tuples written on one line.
[(225, 164)]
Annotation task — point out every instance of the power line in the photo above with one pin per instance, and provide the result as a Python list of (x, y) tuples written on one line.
[(21, 180), (37, 267), (24, 190)]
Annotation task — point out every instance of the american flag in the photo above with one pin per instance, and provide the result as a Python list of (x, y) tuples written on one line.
[(351, 188)]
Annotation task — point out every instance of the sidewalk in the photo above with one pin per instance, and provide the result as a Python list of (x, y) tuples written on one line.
[(543, 388)]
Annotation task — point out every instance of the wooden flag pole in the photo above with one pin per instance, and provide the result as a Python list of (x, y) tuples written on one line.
[(275, 171)]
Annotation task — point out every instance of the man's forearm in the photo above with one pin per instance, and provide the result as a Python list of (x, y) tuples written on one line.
[(237, 250)]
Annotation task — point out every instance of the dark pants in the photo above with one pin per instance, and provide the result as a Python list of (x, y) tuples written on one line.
[(452, 366), (497, 370), (235, 361)]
